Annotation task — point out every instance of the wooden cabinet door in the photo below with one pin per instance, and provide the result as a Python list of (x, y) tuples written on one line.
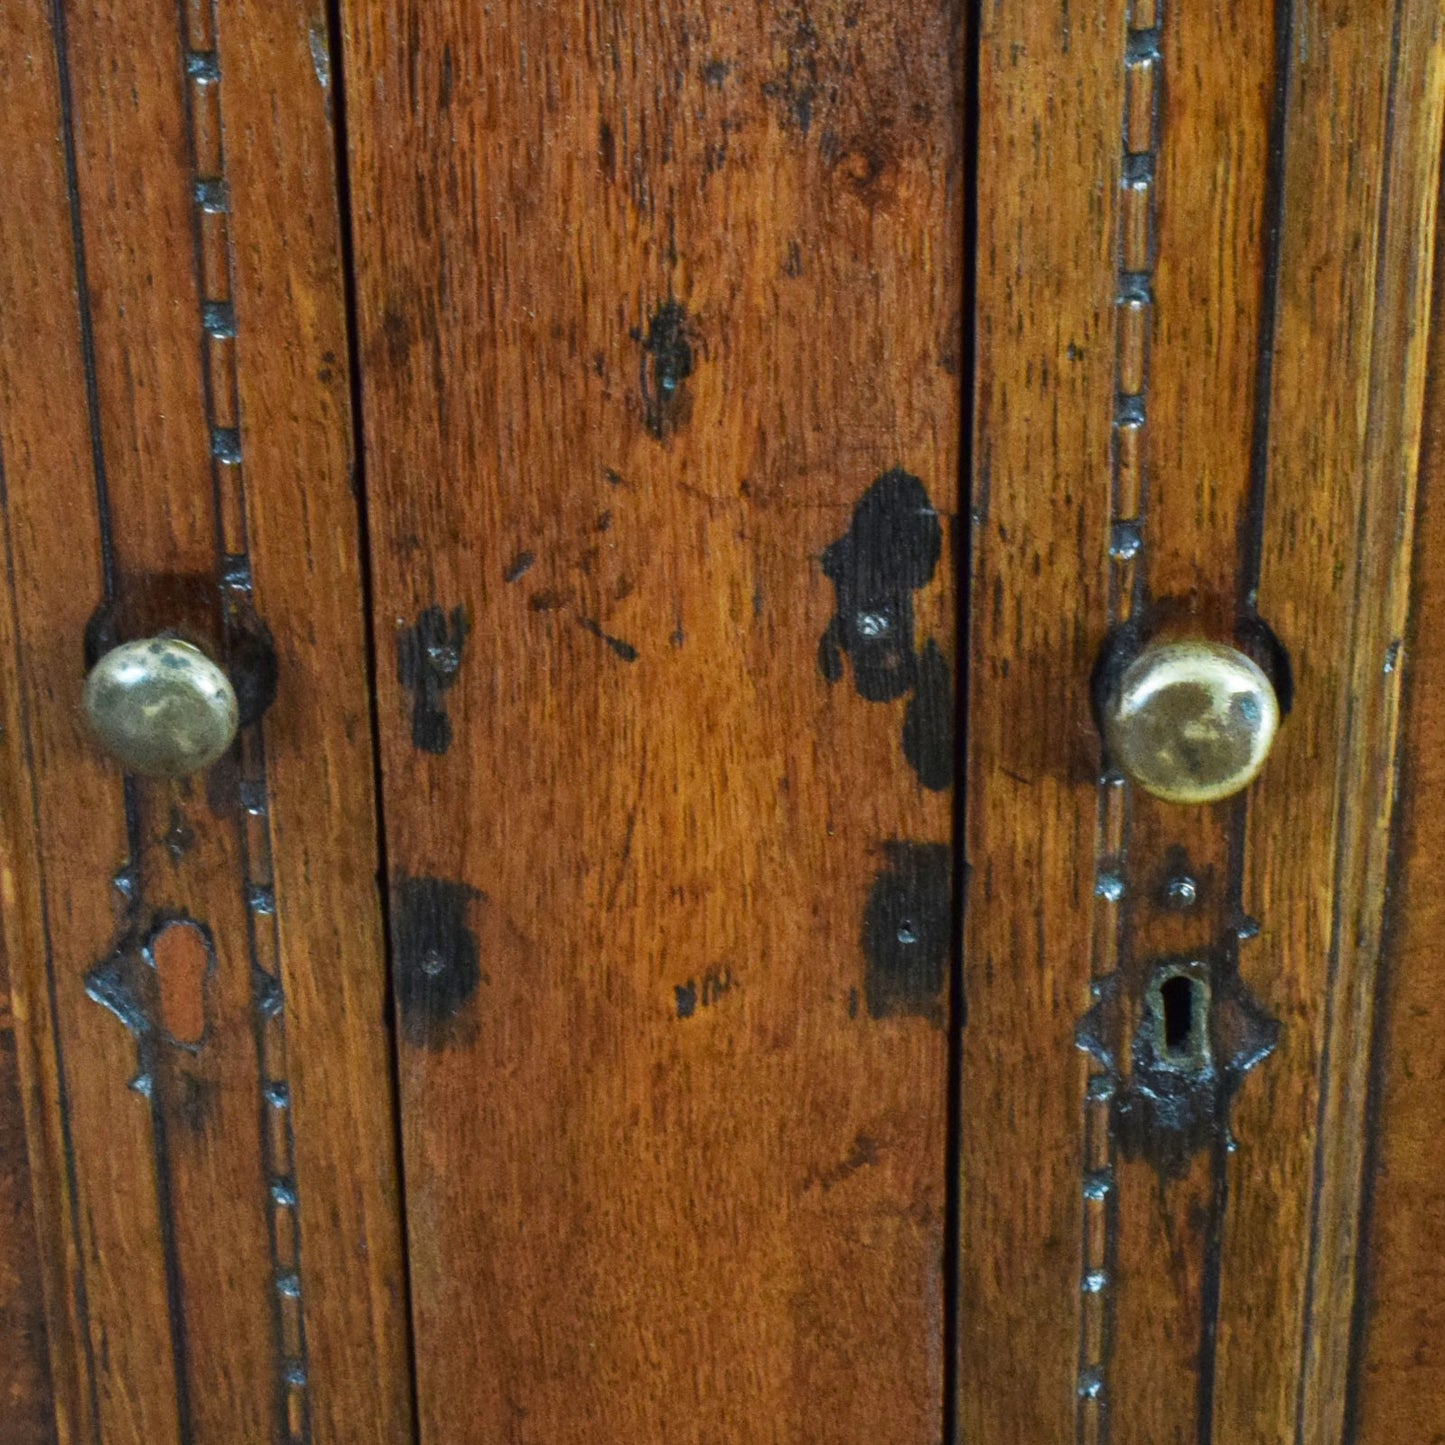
[(1204, 262), (194, 1030), (668, 959)]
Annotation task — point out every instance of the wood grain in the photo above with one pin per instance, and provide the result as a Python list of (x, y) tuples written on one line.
[(1264, 456), (1345, 418), (1398, 1386), (650, 298), (1050, 97), (180, 459)]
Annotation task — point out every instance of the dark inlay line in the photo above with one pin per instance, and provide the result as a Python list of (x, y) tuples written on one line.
[(340, 132), (1251, 561), (82, 293), (960, 553), (175, 1291), (1212, 1282), (1252, 548)]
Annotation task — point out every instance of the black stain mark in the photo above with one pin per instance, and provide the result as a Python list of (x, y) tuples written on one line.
[(907, 931), (667, 362), (928, 721), (429, 657), (1200, 1031), (625, 650), (438, 959), (795, 86), (519, 565), (793, 264), (689, 996), (714, 72), (890, 551)]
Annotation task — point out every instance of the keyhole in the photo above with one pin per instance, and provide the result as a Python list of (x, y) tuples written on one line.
[(1177, 996), (1180, 1009)]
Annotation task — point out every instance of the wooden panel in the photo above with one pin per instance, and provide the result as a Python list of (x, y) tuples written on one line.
[(1398, 1388), (194, 946), (659, 312), (1171, 1275)]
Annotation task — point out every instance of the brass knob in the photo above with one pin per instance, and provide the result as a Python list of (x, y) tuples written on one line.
[(1191, 721), (161, 707)]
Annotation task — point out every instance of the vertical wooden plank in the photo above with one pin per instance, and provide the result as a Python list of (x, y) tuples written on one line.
[(1345, 413), (293, 400), (659, 319), (191, 428), (1035, 1190), (1398, 1387), (1204, 185)]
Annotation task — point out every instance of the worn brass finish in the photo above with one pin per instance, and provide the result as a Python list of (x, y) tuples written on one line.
[(1191, 721), (161, 707)]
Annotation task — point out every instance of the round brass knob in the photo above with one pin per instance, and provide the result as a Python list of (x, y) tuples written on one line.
[(1190, 721), (161, 707)]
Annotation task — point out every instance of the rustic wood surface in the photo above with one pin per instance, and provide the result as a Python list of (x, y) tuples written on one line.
[(1256, 335), (1398, 1384), (660, 322), (1346, 404), (176, 170), (659, 318), (1050, 107)]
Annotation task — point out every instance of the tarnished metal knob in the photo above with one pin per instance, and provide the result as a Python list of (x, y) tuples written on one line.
[(1191, 721), (161, 707)]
